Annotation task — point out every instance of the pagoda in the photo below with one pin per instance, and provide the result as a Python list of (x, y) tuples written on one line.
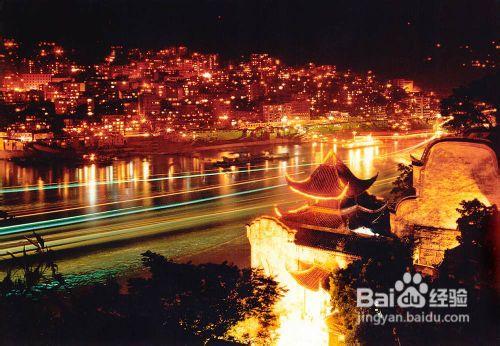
[(337, 201), (339, 223)]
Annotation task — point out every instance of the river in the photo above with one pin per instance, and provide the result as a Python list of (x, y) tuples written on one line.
[(99, 220)]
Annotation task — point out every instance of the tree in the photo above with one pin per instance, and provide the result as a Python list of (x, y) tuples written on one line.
[(181, 304), (473, 223), (31, 272), (403, 185), (9, 115), (208, 299), (465, 114), (472, 263), (379, 272), (472, 106), (472, 266)]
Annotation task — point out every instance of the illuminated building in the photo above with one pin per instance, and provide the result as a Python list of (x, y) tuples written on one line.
[(255, 91), (297, 109), (450, 171), (423, 106), (62, 105), (35, 80), (221, 107), (300, 108), (173, 92), (245, 116), (405, 84), (172, 88), (65, 94), (337, 201), (302, 246), (9, 56), (149, 104), (193, 116), (275, 112)]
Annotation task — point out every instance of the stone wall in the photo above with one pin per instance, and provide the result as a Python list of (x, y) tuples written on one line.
[(273, 249), (430, 243), (303, 312), (452, 170)]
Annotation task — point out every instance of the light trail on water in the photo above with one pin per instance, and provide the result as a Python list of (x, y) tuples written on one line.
[(207, 188), (408, 149), (31, 226), (30, 213), (188, 176), (122, 212), (138, 228), (162, 177), (104, 181)]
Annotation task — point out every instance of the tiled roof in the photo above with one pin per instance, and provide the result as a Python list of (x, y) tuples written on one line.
[(331, 180), (311, 278), (322, 218)]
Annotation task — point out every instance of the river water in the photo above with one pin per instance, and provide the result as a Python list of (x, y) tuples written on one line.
[(99, 220)]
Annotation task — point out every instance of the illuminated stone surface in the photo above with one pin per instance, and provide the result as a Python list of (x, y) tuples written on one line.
[(452, 170), (301, 270)]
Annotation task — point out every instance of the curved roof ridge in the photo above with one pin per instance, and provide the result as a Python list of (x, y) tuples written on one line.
[(331, 180)]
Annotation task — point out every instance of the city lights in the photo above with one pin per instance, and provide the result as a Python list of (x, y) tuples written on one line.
[(249, 173)]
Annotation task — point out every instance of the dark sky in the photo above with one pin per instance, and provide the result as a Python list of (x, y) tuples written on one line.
[(391, 37)]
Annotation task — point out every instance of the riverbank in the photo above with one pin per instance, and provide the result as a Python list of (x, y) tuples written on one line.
[(160, 146), (151, 146)]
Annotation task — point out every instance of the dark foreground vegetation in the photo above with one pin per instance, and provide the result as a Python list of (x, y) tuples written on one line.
[(174, 304), (471, 266)]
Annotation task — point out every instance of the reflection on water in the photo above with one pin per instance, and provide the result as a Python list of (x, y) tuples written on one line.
[(147, 177), (49, 193), (89, 174)]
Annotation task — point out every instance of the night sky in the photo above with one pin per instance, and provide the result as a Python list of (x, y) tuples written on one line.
[(390, 37)]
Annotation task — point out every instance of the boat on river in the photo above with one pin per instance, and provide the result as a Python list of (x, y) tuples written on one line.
[(247, 158), (13, 148), (361, 141)]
